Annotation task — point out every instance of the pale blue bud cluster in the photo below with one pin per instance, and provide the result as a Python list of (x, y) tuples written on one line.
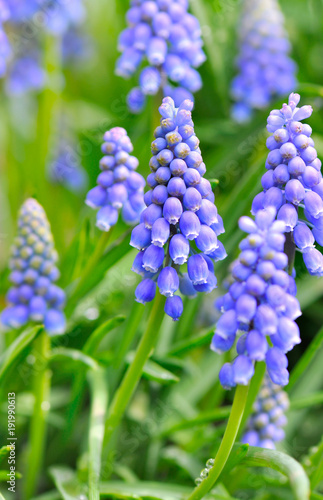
[(34, 297), (266, 423)]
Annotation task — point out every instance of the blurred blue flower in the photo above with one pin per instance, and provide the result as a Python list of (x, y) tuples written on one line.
[(21, 10), (265, 425), (165, 35), (62, 15), (293, 182), (25, 74), (34, 297), (259, 304), (119, 186), (66, 169), (5, 51), (264, 67), (180, 209)]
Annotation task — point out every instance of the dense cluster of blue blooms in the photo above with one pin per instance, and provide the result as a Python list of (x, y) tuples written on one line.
[(293, 182), (34, 297), (264, 66), (169, 38), (260, 304), (119, 186), (265, 425), (180, 224)]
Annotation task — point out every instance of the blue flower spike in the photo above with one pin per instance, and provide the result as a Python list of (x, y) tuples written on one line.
[(260, 304), (34, 297), (265, 69), (119, 187), (265, 425), (293, 182), (177, 237), (167, 37)]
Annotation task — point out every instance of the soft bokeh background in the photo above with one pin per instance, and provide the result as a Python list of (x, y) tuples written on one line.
[(91, 99)]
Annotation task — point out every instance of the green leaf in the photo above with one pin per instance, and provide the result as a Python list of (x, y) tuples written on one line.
[(193, 343), (18, 345), (4, 475), (306, 359), (153, 371), (307, 401), (161, 491), (237, 454), (75, 355), (99, 403), (4, 450), (299, 482), (66, 482), (51, 495), (203, 418), (99, 333)]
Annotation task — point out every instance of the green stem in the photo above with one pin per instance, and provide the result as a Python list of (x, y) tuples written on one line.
[(99, 397), (47, 119), (255, 385), (133, 374), (41, 391), (239, 403)]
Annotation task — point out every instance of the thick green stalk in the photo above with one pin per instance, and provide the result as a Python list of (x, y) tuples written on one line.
[(239, 403), (133, 374), (99, 401), (41, 391)]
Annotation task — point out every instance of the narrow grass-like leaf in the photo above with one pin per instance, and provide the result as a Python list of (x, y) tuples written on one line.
[(307, 401), (162, 491), (13, 351), (193, 343), (75, 355), (66, 482), (203, 418), (153, 371), (306, 359), (99, 333), (99, 402), (51, 495), (299, 482)]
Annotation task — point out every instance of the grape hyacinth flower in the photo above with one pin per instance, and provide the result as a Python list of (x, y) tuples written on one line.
[(180, 224), (260, 304), (164, 34), (264, 67), (265, 425), (293, 182), (34, 297), (119, 186)]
